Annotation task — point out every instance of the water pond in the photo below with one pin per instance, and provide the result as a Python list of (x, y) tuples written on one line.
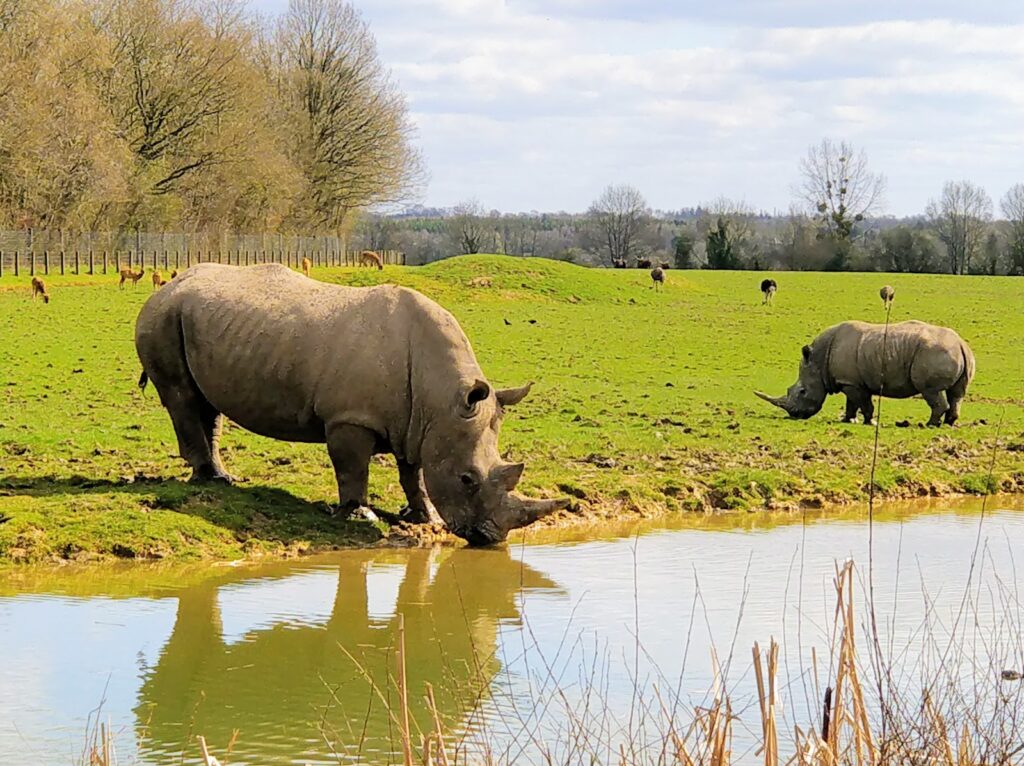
[(522, 647)]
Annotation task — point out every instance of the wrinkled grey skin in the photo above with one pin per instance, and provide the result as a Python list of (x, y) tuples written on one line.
[(364, 370), (848, 358)]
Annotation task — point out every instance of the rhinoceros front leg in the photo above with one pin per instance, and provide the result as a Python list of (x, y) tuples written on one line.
[(937, 401), (420, 510), (858, 399), (351, 448)]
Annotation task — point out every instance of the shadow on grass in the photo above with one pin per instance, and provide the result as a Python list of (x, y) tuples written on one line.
[(261, 513)]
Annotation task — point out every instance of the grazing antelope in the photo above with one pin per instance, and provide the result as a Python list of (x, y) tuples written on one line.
[(134, 276), (39, 288), (768, 288), (619, 263), (657, 277), (158, 280), (887, 293), (306, 265), (643, 263), (370, 258), (664, 265)]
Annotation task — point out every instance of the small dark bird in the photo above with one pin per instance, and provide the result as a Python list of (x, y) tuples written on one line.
[(768, 288), (507, 322)]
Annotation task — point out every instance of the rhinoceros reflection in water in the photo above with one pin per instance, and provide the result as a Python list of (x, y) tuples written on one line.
[(275, 685)]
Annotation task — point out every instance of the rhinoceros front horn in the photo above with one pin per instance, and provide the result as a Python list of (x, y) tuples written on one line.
[(529, 511), (779, 401)]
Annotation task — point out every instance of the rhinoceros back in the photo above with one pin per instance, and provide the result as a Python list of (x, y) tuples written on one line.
[(281, 354), (901, 360)]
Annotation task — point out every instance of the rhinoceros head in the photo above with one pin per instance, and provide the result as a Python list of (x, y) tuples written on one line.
[(805, 397), (466, 479)]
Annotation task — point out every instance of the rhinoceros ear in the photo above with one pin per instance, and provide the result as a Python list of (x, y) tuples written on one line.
[(509, 396), (807, 352), (476, 393)]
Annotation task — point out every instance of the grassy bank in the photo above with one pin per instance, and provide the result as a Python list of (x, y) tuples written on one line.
[(643, 404)]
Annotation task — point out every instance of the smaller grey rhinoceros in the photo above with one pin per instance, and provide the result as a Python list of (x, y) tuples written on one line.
[(862, 360), (366, 370)]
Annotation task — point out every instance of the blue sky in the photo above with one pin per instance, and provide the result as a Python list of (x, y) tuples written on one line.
[(538, 104)]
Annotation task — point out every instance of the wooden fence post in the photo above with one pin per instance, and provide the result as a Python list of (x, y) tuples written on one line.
[(104, 261), (17, 257), (46, 262), (90, 262), (62, 261)]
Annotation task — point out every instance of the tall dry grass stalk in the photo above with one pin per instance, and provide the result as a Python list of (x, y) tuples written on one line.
[(942, 721), (854, 729)]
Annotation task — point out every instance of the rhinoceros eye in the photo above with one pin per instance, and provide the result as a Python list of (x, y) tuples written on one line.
[(470, 480)]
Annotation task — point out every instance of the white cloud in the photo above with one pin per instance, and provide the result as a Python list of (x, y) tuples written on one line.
[(528, 105)]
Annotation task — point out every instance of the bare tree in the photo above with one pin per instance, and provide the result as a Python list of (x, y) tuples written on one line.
[(838, 187), (619, 213), (467, 227), (1012, 206), (174, 79), (960, 216), (352, 129)]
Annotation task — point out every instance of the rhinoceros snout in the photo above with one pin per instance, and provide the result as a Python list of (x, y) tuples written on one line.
[(479, 538)]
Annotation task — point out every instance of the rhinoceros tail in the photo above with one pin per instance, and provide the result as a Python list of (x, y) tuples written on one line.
[(968, 374), (143, 380)]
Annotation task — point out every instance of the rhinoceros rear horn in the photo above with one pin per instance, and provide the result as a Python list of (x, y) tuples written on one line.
[(529, 511), (509, 396), (508, 475), (779, 401)]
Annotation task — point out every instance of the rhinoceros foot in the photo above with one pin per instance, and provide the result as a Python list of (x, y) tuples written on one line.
[(424, 515), (365, 513), (209, 476)]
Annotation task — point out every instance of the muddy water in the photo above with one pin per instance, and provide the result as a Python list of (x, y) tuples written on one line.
[(516, 644)]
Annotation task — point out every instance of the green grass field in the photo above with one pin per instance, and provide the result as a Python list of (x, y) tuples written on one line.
[(643, 404)]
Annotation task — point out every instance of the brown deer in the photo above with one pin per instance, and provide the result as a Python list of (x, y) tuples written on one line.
[(134, 276), (306, 265), (39, 288), (158, 280), (370, 258)]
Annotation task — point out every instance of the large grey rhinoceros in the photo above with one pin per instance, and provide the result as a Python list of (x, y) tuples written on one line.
[(366, 370), (899, 361)]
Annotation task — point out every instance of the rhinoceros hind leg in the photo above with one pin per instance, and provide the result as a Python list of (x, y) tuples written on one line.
[(953, 413), (197, 425), (351, 448), (420, 510), (955, 396), (937, 401)]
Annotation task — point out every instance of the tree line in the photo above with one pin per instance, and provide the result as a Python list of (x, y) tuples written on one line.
[(834, 224), (196, 115)]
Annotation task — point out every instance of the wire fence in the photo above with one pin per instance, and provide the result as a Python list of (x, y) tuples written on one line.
[(53, 251)]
